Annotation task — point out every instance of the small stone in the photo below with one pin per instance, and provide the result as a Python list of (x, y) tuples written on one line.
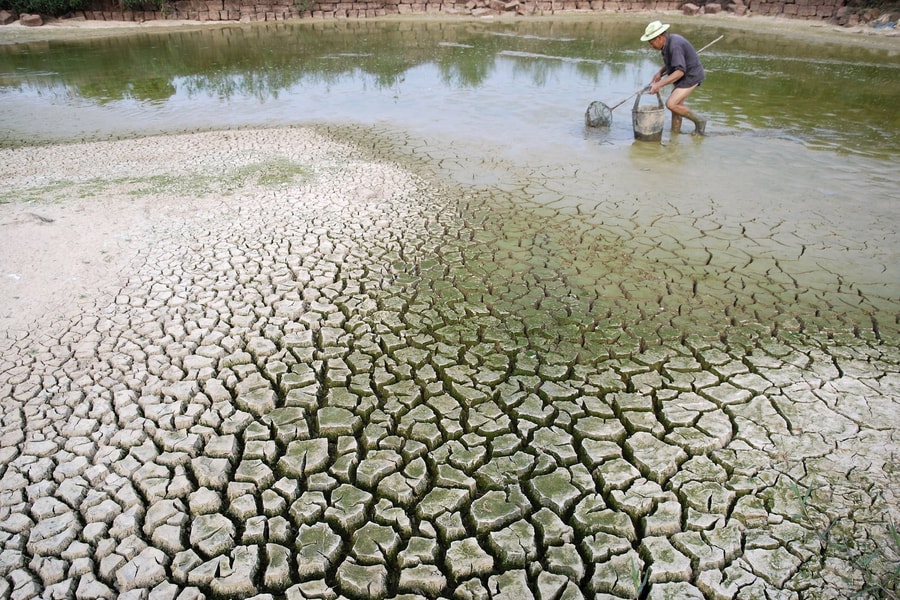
[(31, 20)]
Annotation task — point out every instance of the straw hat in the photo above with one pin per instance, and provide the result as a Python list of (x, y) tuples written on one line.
[(653, 30)]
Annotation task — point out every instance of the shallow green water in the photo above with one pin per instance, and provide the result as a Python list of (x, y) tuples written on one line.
[(476, 78)]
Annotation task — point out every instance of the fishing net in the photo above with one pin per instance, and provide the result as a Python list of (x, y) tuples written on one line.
[(597, 115)]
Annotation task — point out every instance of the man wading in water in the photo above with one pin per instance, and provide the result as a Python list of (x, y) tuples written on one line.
[(682, 68)]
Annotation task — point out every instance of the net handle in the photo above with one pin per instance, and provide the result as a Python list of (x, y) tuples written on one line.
[(640, 91)]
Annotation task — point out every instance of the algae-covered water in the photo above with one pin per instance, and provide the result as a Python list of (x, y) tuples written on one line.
[(477, 79)]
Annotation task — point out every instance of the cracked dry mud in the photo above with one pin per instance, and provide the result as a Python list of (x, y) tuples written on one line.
[(338, 379)]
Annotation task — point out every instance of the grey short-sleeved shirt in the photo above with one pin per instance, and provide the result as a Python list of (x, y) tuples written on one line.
[(679, 55)]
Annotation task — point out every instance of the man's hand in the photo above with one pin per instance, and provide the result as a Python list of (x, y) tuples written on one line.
[(655, 84)]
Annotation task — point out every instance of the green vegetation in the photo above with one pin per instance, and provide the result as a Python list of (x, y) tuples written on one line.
[(885, 6), (638, 581), (875, 556), (54, 191), (44, 7), (57, 8), (159, 5), (272, 173)]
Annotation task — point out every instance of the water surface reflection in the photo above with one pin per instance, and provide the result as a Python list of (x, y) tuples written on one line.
[(478, 77)]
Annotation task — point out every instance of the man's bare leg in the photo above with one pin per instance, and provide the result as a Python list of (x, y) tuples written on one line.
[(676, 104)]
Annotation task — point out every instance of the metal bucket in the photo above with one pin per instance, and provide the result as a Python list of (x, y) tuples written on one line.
[(648, 120)]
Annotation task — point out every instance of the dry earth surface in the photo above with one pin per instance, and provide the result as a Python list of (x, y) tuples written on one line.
[(274, 371)]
